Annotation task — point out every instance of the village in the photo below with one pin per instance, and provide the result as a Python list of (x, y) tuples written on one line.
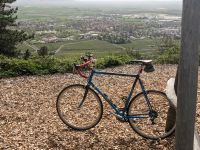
[(114, 28)]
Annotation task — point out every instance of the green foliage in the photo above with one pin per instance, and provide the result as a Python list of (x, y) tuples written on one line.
[(27, 54), (115, 39), (9, 38), (16, 67), (10, 67), (134, 54), (169, 51), (43, 51), (166, 43), (113, 60), (169, 56), (141, 44), (52, 53), (92, 45)]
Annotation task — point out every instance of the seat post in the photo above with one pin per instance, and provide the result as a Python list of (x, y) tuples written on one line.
[(140, 69)]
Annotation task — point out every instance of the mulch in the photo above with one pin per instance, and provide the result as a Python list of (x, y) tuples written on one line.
[(29, 121)]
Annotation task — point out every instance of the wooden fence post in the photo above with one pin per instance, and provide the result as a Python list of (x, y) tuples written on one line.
[(187, 76)]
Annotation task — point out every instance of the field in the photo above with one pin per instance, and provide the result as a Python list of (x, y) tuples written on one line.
[(28, 118), (141, 44), (94, 46), (99, 48)]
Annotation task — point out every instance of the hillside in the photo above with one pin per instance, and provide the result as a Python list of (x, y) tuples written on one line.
[(28, 118)]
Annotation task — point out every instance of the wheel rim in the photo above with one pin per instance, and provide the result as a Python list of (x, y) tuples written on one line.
[(85, 117), (145, 126)]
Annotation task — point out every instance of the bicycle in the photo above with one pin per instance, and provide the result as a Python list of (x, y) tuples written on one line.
[(80, 107)]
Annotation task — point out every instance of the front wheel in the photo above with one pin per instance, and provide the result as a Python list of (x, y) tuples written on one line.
[(150, 124), (76, 113)]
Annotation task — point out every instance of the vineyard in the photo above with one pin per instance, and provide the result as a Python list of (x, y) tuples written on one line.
[(28, 117)]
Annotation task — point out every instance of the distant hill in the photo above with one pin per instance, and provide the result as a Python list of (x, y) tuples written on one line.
[(42, 2), (136, 4)]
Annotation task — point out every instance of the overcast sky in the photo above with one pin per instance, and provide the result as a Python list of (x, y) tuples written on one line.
[(127, 0), (97, 2), (90, 0)]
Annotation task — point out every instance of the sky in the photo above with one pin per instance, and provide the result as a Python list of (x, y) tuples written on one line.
[(99, 1), (90, 0), (127, 0), (105, 3)]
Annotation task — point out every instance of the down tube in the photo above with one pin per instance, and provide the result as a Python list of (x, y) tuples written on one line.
[(105, 97)]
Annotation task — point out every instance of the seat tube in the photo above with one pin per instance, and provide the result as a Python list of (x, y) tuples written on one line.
[(140, 70), (145, 94)]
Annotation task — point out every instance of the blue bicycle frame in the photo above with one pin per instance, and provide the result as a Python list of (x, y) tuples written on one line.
[(119, 112)]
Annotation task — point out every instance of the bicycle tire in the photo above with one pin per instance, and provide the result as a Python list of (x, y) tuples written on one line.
[(160, 104), (85, 117)]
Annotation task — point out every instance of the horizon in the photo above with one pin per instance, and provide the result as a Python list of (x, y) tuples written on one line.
[(141, 4), (95, 1)]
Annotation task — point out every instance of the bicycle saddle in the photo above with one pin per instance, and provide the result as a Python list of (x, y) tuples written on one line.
[(144, 62)]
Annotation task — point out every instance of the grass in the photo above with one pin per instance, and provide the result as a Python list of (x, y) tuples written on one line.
[(140, 44), (146, 47), (95, 46), (22, 47), (53, 46)]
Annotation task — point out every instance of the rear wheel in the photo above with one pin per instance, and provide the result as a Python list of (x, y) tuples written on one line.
[(151, 125), (75, 116)]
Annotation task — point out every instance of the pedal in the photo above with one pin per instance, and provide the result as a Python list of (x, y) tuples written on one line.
[(120, 119)]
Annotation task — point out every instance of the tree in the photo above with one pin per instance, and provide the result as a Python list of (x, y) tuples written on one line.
[(43, 51), (27, 54), (165, 43), (9, 38)]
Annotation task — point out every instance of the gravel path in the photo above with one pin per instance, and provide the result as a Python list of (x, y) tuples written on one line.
[(28, 118)]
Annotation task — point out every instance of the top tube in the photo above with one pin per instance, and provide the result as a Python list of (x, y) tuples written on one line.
[(115, 74)]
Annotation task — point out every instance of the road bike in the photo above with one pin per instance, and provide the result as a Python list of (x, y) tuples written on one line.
[(80, 106)]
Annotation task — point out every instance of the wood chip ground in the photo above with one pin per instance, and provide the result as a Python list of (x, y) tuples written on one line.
[(29, 121)]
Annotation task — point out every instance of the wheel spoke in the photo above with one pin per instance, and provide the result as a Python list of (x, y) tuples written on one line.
[(153, 126), (81, 118)]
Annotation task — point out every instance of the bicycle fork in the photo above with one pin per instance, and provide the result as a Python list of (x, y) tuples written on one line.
[(84, 97), (87, 88)]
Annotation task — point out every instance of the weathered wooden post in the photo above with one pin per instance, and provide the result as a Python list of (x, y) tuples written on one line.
[(187, 75)]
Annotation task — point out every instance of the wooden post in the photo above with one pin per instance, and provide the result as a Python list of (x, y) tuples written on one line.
[(187, 76), (171, 95), (176, 82)]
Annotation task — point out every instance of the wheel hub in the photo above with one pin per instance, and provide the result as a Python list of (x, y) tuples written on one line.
[(153, 115)]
